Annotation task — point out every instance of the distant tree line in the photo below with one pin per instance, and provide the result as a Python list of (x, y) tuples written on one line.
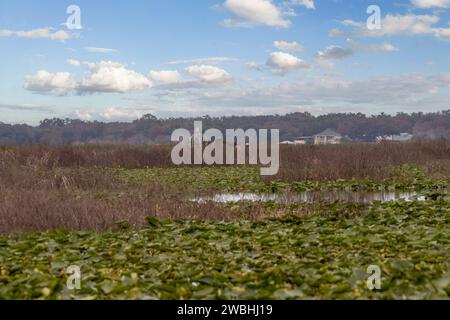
[(152, 130)]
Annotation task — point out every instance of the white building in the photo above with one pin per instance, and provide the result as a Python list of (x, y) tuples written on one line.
[(402, 137), (328, 136)]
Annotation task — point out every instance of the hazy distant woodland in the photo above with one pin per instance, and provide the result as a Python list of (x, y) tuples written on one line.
[(151, 130)]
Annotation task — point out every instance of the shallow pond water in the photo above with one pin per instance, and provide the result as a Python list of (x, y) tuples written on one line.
[(312, 197)]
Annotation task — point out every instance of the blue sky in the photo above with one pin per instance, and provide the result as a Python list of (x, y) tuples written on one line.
[(221, 57)]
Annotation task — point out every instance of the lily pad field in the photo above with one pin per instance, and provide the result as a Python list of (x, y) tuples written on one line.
[(133, 227)]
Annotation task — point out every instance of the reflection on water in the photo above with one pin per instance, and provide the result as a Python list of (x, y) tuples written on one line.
[(313, 197)]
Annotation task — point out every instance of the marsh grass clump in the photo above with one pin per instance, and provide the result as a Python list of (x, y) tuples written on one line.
[(94, 187), (298, 163), (362, 161)]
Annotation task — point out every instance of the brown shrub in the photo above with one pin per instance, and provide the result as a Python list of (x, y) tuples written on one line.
[(39, 199), (361, 161), (126, 156)]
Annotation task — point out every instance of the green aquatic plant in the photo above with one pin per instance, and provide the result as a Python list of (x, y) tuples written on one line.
[(293, 257), (247, 179)]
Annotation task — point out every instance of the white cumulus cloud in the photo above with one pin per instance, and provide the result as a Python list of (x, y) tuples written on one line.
[(281, 62), (398, 25), (59, 83), (443, 34), (165, 77), (208, 74), (288, 46), (306, 3), (41, 33), (431, 3), (335, 53), (107, 76), (253, 65), (255, 12), (326, 57), (373, 47), (84, 115), (114, 113), (74, 62)]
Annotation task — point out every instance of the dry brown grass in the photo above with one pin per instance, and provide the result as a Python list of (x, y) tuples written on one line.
[(362, 161), (126, 156), (35, 198), (43, 188), (329, 162)]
